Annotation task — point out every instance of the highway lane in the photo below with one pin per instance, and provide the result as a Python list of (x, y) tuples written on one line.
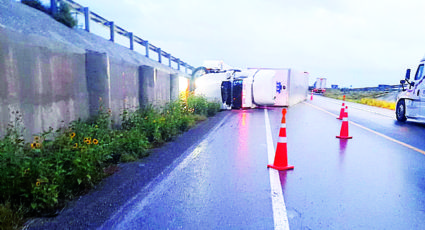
[(368, 182), (378, 119)]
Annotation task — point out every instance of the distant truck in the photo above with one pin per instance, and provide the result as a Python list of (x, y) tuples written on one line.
[(252, 87), (319, 86), (411, 100)]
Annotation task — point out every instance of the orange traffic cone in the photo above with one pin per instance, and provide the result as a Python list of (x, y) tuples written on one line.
[(345, 111), (281, 156), (344, 127), (311, 98), (342, 112)]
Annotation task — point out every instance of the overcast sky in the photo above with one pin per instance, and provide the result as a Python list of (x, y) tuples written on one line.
[(350, 42)]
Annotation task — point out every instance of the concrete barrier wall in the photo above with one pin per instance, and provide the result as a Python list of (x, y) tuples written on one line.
[(53, 84), (46, 86)]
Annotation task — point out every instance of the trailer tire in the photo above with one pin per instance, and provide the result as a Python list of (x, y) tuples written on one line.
[(400, 111)]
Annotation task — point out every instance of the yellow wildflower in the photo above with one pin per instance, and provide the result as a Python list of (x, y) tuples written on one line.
[(95, 141)]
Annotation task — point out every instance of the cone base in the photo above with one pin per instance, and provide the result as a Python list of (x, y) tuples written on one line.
[(346, 137), (288, 167)]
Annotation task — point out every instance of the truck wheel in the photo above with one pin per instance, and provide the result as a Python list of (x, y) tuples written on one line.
[(400, 111)]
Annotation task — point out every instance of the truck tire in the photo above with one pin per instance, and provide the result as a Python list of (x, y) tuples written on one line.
[(400, 111)]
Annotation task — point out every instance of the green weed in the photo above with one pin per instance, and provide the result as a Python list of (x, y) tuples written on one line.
[(41, 176)]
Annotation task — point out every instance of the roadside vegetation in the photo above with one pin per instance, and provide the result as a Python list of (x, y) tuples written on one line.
[(362, 97), (39, 177), (63, 15)]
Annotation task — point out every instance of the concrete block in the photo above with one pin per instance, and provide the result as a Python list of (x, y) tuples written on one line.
[(98, 81), (174, 87), (154, 86), (124, 88)]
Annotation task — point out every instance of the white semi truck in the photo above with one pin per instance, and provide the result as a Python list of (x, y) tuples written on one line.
[(411, 101), (254, 87), (320, 85)]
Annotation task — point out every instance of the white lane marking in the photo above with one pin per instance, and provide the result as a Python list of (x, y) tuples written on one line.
[(280, 215), (155, 188), (372, 131)]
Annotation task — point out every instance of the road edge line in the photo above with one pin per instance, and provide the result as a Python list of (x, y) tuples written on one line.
[(372, 131), (280, 216)]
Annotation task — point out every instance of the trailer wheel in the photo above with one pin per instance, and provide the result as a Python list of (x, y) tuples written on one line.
[(400, 111)]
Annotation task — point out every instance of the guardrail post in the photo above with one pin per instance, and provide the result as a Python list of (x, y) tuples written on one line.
[(178, 64), (158, 50), (87, 19), (53, 6), (147, 48), (169, 60), (130, 36), (112, 30)]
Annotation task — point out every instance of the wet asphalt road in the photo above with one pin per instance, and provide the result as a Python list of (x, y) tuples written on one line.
[(368, 182), (222, 182)]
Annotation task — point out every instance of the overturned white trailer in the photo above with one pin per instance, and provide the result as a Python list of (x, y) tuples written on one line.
[(254, 87)]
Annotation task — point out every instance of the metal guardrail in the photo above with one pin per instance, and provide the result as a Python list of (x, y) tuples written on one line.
[(91, 16)]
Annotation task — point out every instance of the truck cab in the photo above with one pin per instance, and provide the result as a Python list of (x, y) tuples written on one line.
[(411, 101)]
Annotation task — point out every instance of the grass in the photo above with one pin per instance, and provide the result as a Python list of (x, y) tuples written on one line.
[(362, 97), (63, 15), (39, 177)]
